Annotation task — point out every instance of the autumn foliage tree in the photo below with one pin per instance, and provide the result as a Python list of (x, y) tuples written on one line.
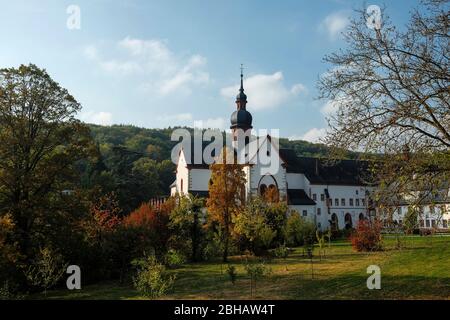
[(9, 254), (152, 224), (226, 195)]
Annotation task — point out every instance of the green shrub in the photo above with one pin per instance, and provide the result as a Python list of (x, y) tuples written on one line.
[(281, 252), (175, 258), (152, 280), (46, 269), (256, 271), (9, 292), (298, 229)]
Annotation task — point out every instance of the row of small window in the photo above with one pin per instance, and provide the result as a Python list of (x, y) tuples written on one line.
[(432, 209), (432, 223), (352, 202), (305, 213), (429, 223)]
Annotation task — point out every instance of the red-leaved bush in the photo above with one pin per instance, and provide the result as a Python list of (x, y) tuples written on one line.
[(367, 236), (152, 223)]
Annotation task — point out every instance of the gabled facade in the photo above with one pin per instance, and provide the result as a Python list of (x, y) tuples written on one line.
[(330, 196)]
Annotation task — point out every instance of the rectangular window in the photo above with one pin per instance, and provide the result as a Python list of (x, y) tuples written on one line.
[(433, 223), (318, 211), (444, 224), (336, 202), (342, 202), (363, 201), (305, 213), (330, 202), (314, 197), (351, 202), (322, 197), (357, 202), (427, 223)]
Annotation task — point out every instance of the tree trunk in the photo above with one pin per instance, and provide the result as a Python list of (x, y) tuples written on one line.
[(225, 248), (195, 237)]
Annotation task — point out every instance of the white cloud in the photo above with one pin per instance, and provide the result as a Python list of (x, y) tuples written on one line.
[(335, 23), (158, 68), (313, 135), (101, 118), (299, 88), (329, 108), (176, 119), (187, 119), (265, 91), (212, 123)]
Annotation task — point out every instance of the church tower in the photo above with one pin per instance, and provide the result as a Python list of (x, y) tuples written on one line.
[(241, 118)]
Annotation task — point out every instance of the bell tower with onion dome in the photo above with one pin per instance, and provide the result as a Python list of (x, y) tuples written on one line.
[(241, 118)]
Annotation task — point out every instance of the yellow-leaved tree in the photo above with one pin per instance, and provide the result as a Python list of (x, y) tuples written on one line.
[(226, 195)]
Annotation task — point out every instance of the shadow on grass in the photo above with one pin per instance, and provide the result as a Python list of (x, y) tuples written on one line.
[(353, 286)]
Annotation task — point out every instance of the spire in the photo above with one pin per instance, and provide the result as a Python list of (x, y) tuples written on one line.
[(242, 78), (241, 118), (241, 98)]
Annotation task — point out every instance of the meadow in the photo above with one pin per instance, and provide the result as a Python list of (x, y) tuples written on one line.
[(419, 269)]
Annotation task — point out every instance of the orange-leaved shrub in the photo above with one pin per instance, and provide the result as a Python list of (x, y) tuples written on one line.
[(367, 236)]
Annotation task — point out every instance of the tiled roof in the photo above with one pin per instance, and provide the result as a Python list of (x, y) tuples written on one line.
[(322, 171), (299, 197)]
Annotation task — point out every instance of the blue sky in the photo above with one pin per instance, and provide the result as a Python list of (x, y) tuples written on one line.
[(166, 63)]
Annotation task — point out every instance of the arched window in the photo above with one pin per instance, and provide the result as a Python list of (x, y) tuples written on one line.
[(181, 185), (348, 221)]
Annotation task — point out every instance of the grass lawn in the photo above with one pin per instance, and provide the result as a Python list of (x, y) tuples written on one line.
[(420, 270)]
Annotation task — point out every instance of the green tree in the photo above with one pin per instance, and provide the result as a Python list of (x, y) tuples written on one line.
[(187, 222), (145, 173), (40, 143), (321, 242), (152, 280), (252, 226), (298, 229)]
